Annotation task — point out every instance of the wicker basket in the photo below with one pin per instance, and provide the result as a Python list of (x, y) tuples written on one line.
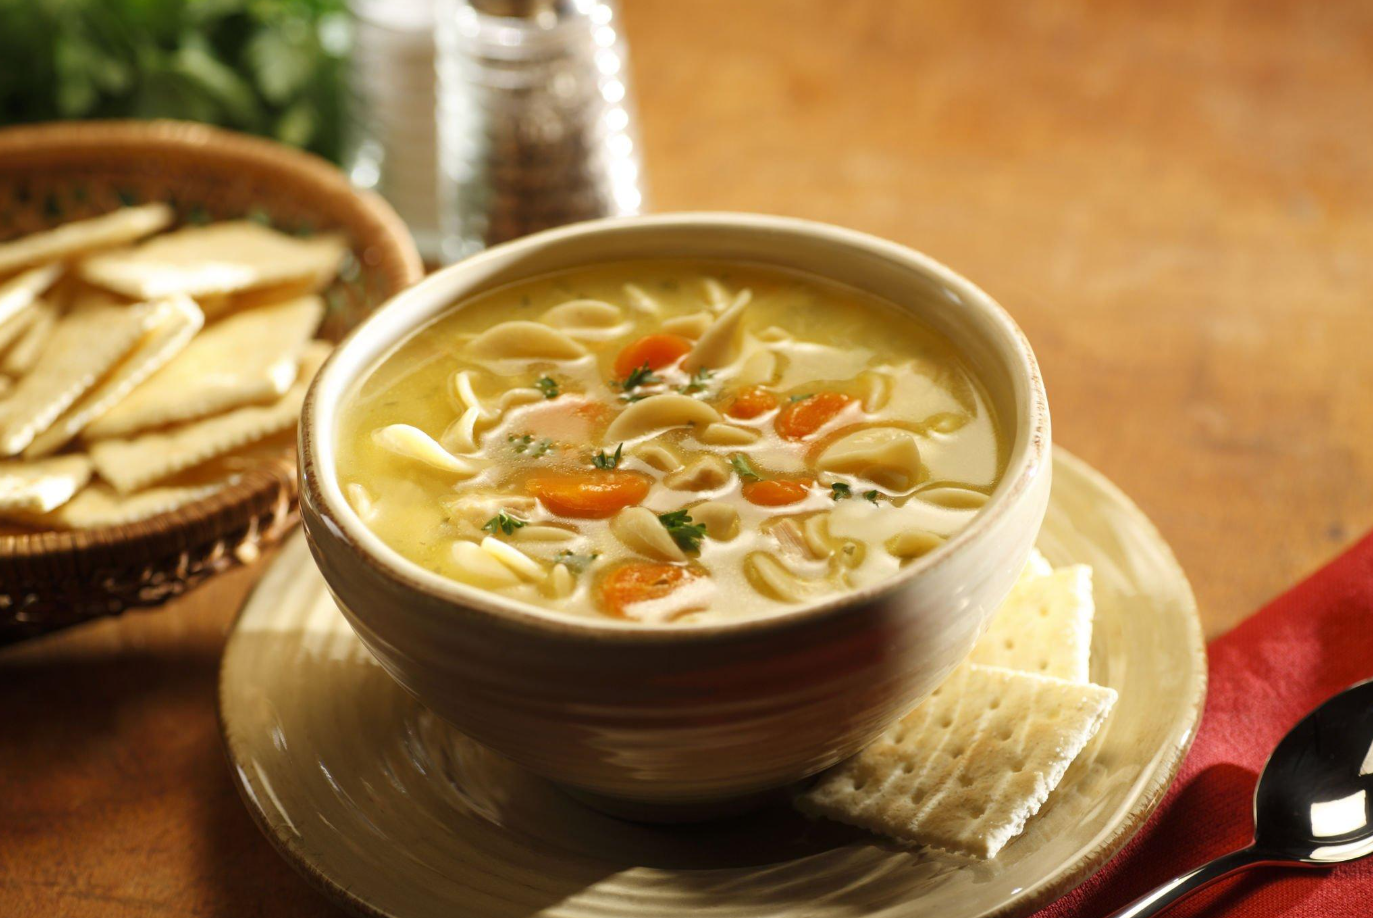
[(53, 173)]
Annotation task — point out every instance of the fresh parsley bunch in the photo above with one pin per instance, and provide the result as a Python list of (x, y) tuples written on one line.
[(271, 67)]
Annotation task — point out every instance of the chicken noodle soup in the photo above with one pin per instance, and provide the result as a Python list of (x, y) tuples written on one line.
[(669, 442)]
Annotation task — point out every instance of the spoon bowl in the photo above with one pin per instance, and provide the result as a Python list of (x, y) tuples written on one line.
[(1313, 800), (1313, 805)]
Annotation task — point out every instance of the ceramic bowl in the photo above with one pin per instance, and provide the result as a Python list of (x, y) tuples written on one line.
[(678, 721)]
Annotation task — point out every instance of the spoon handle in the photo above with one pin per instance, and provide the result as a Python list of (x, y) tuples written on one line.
[(1178, 888)]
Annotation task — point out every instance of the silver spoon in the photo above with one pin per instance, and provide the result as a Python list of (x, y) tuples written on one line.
[(1313, 806)]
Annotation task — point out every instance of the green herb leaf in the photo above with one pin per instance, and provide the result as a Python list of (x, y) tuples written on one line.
[(197, 66), (684, 532), (840, 491), (800, 398), (525, 443), (576, 563), (641, 376), (296, 125), (281, 61), (741, 466), (548, 386), (697, 383), (504, 522), (871, 495), (270, 66), (603, 461)]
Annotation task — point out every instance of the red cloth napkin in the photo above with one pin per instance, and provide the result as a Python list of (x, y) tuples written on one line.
[(1300, 649)]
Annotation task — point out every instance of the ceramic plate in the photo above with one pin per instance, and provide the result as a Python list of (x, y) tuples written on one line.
[(392, 812)]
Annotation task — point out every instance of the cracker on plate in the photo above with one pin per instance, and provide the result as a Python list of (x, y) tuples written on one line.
[(215, 259), (979, 757), (82, 348), (248, 358), (1036, 565), (37, 487), (172, 324), (968, 768), (133, 464), (1044, 626), (118, 227), (101, 505)]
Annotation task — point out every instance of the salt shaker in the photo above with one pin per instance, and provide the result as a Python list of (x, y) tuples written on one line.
[(393, 79), (535, 117)]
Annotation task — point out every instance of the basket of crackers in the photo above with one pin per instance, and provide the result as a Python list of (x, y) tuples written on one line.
[(167, 291)]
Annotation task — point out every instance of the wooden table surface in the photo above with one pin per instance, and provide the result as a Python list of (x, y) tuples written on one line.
[(1174, 199)]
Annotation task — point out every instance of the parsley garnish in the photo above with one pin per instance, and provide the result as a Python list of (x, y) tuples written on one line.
[(685, 533), (740, 463), (603, 461), (697, 383), (548, 386), (841, 491), (632, 398), (800, 398), (575, 563), (526, 444), (503, 522), (641, 376)]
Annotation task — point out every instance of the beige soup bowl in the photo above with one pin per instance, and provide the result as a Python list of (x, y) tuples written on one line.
[(680, 721)]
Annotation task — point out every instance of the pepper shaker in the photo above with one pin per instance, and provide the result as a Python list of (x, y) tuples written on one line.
[(535, 119)]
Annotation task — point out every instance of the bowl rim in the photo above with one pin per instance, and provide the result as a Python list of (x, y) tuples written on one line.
[(322, 494)]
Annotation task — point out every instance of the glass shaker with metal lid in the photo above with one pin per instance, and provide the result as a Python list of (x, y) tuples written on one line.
[(535, 117)]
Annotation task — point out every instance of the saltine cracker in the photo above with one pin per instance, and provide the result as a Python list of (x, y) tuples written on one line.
[(248, 358)]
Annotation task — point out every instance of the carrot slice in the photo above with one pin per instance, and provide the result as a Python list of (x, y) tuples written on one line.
[(775, 493), (804, 417), (640, 581), (655, 350), (588, 495), (751, 402)]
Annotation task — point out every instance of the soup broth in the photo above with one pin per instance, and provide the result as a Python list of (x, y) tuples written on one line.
[(669, 442)]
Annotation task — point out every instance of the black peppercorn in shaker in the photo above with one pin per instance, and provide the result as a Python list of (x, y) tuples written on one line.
[(535, 117)]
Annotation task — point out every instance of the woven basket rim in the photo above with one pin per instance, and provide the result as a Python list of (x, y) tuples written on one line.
[(236, 505)]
